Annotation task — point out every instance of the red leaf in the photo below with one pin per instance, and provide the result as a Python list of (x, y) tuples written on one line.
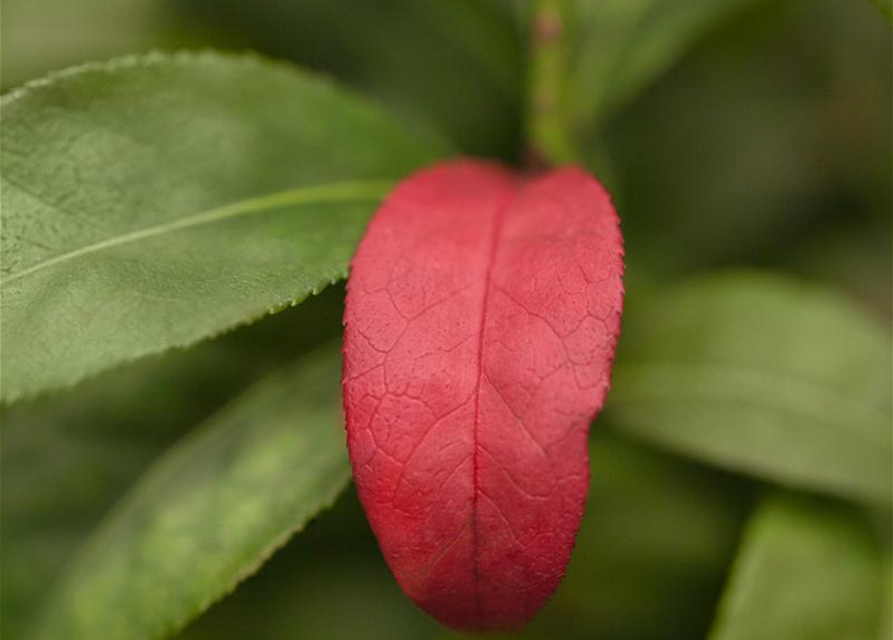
[(482, 314)]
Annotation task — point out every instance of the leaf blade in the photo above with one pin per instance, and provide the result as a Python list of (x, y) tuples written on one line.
[(765, 376), (210, 511), (780, 586), (78, 453), (109, 155), (336, 192), (470, 380), (622, 46)]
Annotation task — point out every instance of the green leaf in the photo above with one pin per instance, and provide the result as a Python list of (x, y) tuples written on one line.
[(763, 375), (67, 459), (696, 166), (211, 511), (806, 570), (154, 201), (330, 582), (623, 45)]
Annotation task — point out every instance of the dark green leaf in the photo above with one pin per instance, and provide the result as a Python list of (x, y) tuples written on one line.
[(806, 571), (718, 167), (210, 511), (154, 201), (330, 582), (764, 375), (624, 44)]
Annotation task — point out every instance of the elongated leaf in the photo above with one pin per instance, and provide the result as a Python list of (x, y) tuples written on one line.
[(624, 44), (330, 582), (806, 571), (471, 377), (67, 459), (153, 201), (211, 511), (764, 375)]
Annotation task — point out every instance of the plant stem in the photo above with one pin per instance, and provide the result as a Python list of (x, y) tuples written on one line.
[(548, 122)]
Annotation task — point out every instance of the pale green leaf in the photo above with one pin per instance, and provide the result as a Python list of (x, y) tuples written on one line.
[(153, 201), (210, 511), (764, 375), (623, 45), (68, 458), (806, 570)]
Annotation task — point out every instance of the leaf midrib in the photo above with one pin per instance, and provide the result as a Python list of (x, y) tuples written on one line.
[(492, 249), (345, 191), (799, 397)]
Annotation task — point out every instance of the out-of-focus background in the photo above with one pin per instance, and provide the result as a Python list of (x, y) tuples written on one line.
[(753, 135)]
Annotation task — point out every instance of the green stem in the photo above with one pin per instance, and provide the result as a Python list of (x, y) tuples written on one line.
[(548, 122)]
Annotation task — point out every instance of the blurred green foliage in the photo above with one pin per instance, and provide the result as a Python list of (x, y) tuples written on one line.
[(67, 460), (732, 134), (732, 368), (790, 549)]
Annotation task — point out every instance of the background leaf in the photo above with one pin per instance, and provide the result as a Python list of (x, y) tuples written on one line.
[(151, 202), (211, 511), (764, 375), (331, 581), (622, 45), (806, 570), (734, 158), (66, 460)]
